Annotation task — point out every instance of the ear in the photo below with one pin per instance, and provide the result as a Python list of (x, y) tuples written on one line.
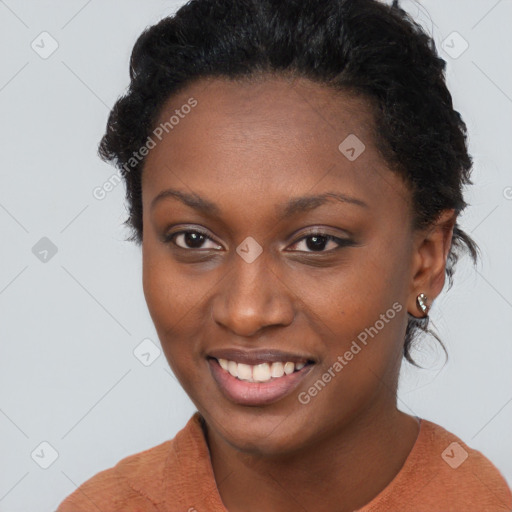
[(430, 253)]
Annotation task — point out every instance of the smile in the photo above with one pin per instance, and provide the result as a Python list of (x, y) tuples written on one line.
[(263, 372), (258, 384)]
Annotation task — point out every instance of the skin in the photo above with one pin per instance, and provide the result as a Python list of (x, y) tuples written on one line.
[(249, 147)]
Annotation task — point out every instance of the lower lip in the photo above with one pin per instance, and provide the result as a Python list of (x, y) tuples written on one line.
[(256, 393)]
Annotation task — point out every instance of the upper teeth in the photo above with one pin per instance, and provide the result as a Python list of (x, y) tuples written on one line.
[(260, 372)]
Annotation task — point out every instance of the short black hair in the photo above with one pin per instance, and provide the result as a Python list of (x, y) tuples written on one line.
[(360, 46)]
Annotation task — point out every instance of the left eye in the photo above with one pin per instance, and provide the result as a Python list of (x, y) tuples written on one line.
[(316, 242)]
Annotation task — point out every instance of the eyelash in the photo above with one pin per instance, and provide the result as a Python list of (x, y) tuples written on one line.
[(342, 242)]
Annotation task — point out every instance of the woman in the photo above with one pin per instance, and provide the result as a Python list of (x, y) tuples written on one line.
[(294, 175)]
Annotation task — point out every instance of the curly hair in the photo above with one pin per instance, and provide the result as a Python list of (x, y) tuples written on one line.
[(360, 46)]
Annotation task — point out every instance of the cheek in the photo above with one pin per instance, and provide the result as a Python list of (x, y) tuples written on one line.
[(157, 284), (354, 298), (176, 303), (167, 288), (363, 314), (171, 303), (363, 326)]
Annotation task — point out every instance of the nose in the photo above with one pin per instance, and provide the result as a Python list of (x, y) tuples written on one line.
[(253, 296)]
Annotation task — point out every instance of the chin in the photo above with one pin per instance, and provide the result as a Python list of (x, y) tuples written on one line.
[(261, 432)]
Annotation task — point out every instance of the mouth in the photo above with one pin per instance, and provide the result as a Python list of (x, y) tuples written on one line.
[(258, 378)]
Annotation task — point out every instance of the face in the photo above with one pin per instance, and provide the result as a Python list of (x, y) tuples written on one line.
[(265, 243)]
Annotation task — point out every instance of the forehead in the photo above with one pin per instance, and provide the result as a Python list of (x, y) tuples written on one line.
[(261, 108), (269, 134)]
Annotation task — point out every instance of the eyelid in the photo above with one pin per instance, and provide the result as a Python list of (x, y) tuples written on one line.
[(324, 231)]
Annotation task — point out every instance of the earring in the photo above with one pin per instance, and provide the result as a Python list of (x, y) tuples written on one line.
[(421, 301)]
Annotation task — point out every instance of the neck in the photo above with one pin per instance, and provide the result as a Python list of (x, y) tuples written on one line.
[(341, 472)]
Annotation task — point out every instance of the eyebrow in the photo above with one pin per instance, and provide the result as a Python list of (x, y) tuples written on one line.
[(287, 209)]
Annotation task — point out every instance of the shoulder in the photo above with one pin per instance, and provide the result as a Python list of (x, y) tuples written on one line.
[(461, 461), (140, 482), (121, 486), (443, 473), (466, 475)]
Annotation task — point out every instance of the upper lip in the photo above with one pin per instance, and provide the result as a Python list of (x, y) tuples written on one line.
[(258, 356)]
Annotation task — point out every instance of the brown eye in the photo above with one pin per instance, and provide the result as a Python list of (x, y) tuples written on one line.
[(191, 239), (317, 242)]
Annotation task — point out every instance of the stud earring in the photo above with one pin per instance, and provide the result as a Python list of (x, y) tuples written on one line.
[(421, 302)]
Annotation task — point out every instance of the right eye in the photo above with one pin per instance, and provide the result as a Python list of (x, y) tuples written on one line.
[(190, 240)]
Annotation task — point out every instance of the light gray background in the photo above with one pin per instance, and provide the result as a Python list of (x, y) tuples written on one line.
[(69, 326)]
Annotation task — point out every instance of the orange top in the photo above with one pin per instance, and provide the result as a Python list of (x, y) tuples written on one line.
[(441, 473)]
